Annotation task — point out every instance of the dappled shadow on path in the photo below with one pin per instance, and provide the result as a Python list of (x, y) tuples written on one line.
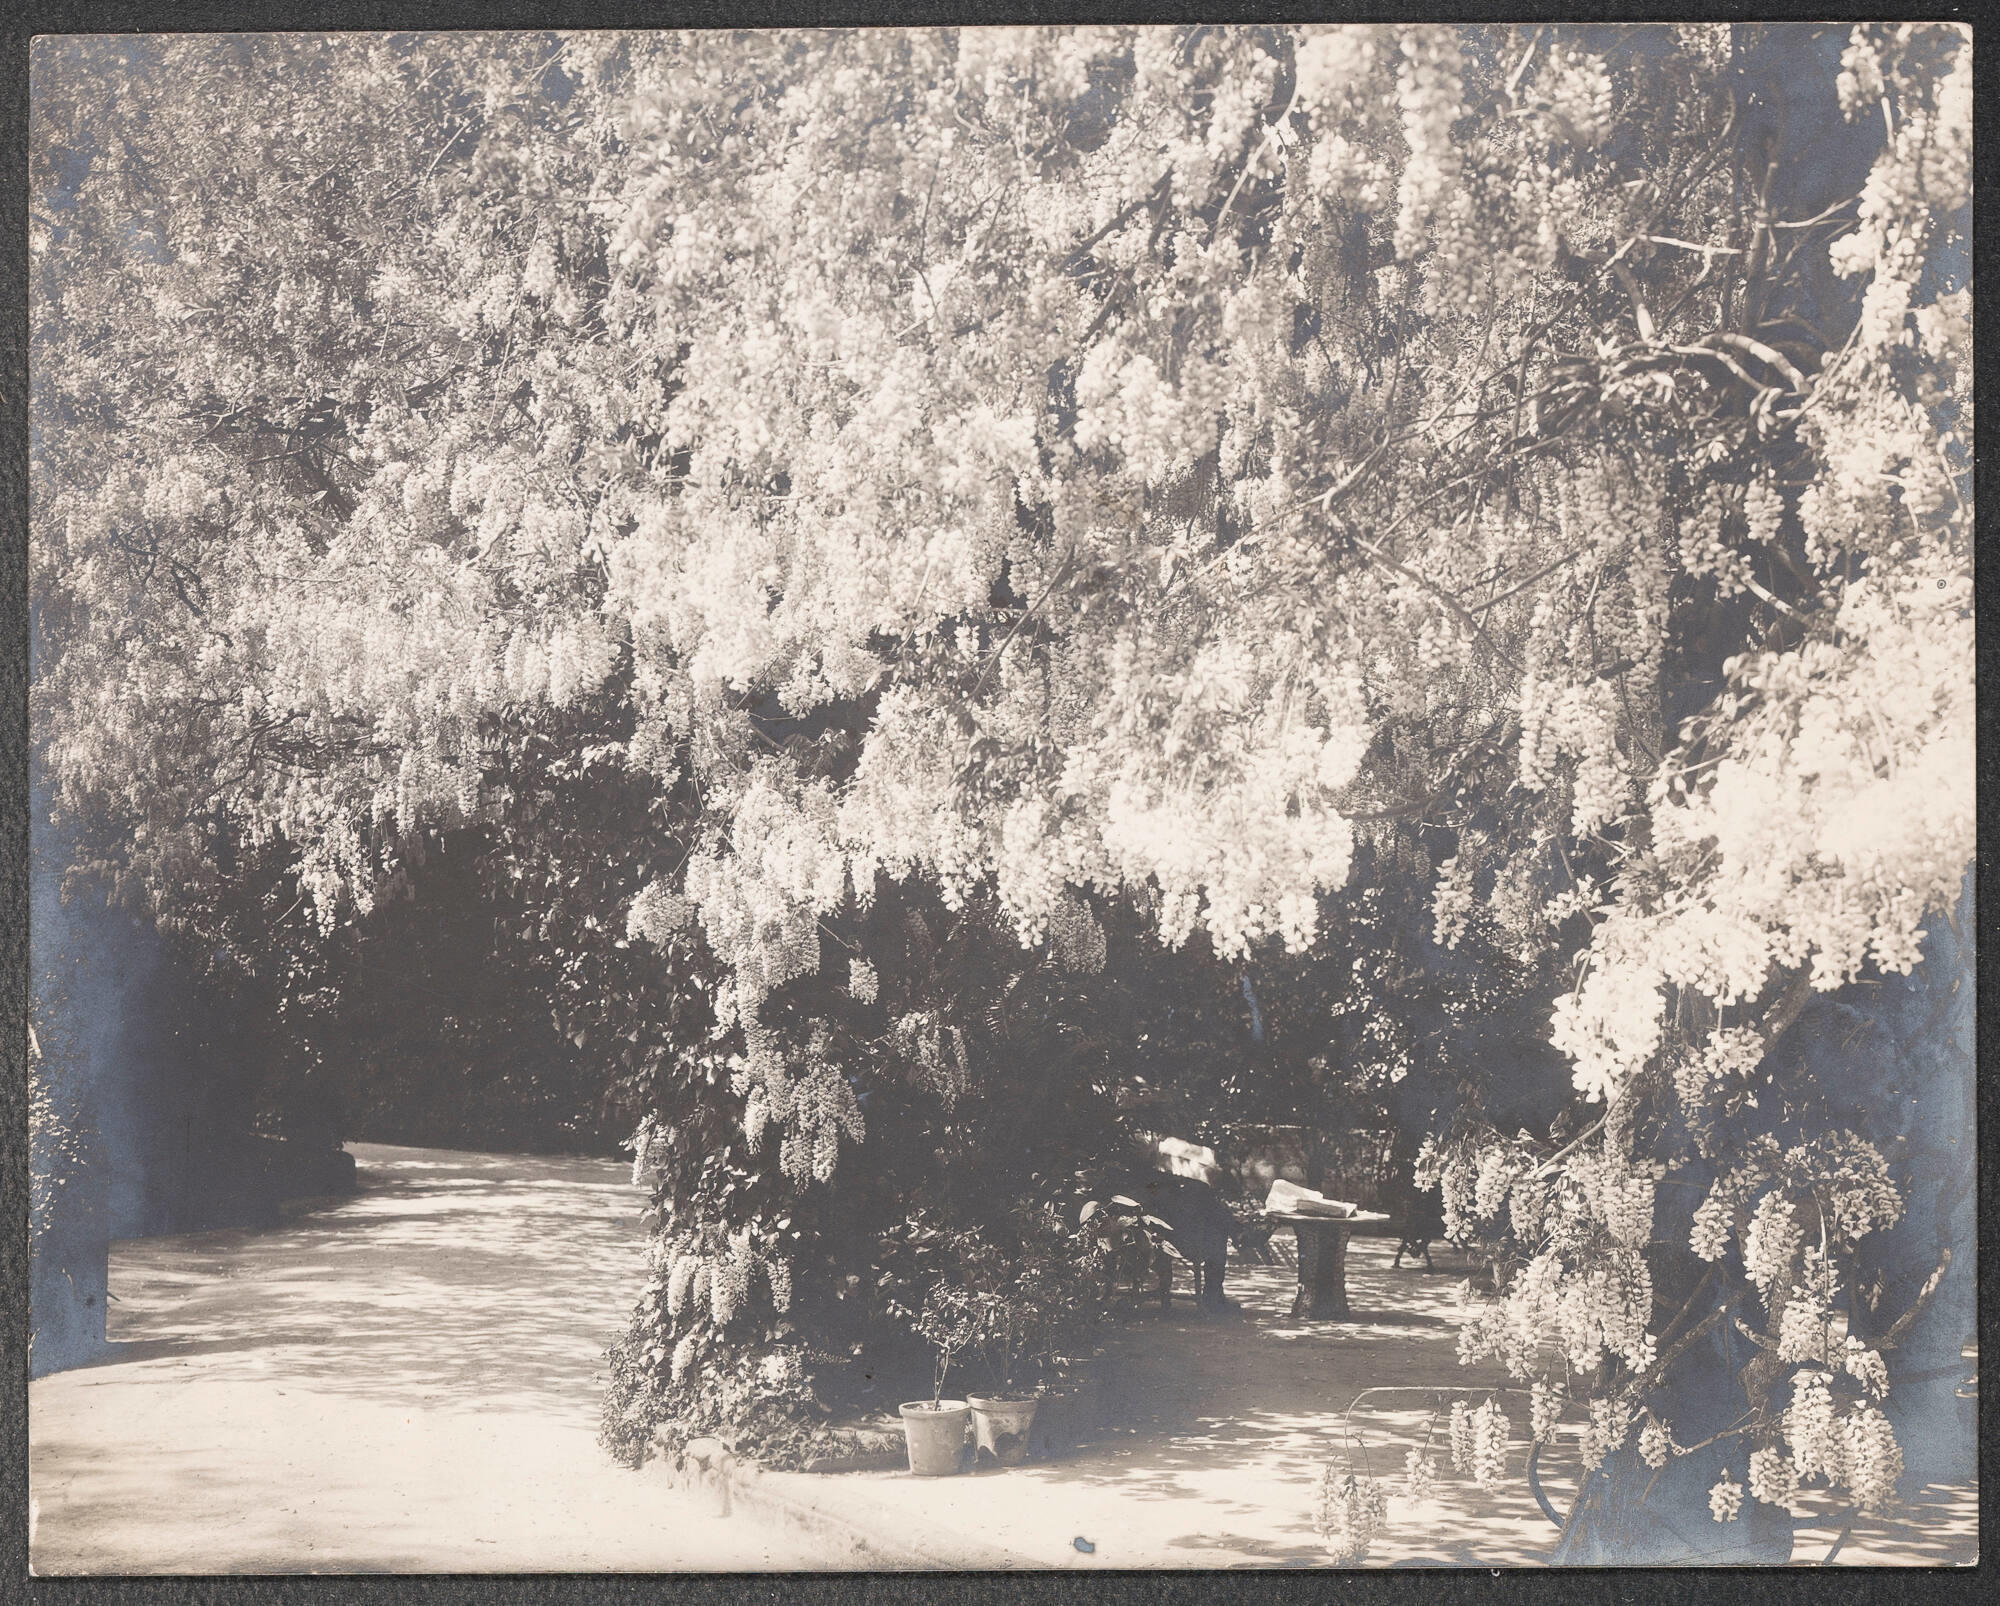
[(430, 1285), (1233, 1420)]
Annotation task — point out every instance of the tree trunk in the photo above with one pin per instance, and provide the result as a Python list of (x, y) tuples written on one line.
[(1895, 1058), (1630, 1515), (1919, 1046)]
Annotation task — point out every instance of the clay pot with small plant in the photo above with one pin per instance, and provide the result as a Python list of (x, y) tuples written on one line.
[(934, 1430), (1010, 1341)]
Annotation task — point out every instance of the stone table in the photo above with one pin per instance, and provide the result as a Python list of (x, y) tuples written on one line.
[(1322, 1260)]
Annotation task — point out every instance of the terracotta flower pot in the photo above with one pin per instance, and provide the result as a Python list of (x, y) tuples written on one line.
[(1000, 1428), (936, 1437)]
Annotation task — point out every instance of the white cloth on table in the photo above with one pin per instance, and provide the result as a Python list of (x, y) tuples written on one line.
[(1289, 1199)]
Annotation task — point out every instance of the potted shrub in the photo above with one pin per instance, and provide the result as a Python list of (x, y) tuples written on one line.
[(1010, 1339), (934, 1429), (1037, 1332), (1020, 1298)]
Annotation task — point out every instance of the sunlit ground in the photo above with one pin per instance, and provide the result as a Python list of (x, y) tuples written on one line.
[(409, 1380), (405, 1381), (1283, 1395), (1231, 1420)]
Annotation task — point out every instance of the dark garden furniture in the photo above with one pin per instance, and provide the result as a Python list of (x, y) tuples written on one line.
[(1322, 1241)]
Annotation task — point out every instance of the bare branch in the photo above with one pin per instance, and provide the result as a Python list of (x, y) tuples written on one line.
[(1900, 1330)]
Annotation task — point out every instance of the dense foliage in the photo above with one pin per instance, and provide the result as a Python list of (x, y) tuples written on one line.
[(1023, 494)]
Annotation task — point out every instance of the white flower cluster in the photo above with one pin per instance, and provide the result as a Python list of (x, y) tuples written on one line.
[(761, 902), (680, 1284), (1451, 901), (1349, 1513), (538, 269), (1709, 41), (1335, 71), (1705, 551), (1460, 1436), (1772, 1242), (1577, 721), (1926, 166), (1763, 509), (1429, 94), (1603, 1431), (646, 1144), (1420, 1471), (937, 1052), (1577, 92), (780, 1370), (1850, 1174), (729, 1283), (684, 1354), (657, 915), (1617, 1193), (572, 659), (1811, 1428), (814, 1104), (1733, 1051), (1228, 811), (1713, 1223), (1773, 1478), (1803, 1327), (1452, 1175), (1867, 1365), (862, 983), (1872, 1461), (1610, 1026), (1584, 1290), (1857, 1448), (1547, 1398), (901, 815), (1607, 1306), (1527, 1209), (1725, 1499), (1729, 1060), (1500, 1328), (1729, 1195), (1860, 84), (1784, 853), (1805, 1316), (1126, 403), (1656, 1444), (1330, 64), (716, 1282), (1486, 1453), (1491, 1182)]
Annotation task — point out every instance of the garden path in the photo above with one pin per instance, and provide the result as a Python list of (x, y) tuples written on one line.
[(407, 1381), (402, 1381), (1230, 1421)]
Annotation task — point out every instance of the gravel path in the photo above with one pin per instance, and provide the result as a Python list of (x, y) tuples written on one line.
[(406, 1381), (1228, 1423)]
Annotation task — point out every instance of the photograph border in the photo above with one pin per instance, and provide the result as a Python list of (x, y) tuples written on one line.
[(31, 17)]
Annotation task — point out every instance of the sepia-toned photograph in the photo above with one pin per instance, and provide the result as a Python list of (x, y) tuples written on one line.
[(1001, 799)]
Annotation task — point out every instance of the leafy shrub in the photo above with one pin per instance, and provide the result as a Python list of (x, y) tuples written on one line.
[(1027, 1309)]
